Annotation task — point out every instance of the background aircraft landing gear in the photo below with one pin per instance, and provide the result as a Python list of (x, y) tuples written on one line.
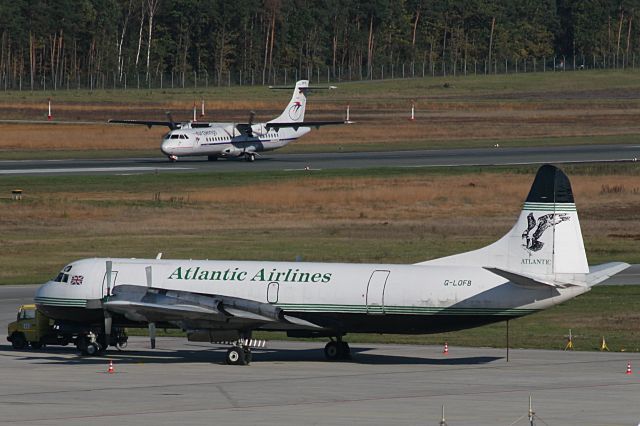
[(212, 158), (336, 350)]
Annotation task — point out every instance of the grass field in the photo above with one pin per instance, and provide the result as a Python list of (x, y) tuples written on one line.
[(376, 215), (513, 110)]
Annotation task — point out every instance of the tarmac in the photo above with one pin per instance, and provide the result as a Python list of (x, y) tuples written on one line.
[(290, 383)]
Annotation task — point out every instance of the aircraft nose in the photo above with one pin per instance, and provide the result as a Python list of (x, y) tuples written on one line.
[(166, 147)]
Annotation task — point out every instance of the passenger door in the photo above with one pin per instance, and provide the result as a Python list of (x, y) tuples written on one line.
[(375, 291)]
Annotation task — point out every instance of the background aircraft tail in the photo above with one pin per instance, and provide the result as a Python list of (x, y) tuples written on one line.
[(294, 112), (545, 246)]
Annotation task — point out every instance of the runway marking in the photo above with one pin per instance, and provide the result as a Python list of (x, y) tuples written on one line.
[(89, 169)]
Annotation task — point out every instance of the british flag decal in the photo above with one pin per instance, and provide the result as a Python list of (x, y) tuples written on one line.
[(76, 280)]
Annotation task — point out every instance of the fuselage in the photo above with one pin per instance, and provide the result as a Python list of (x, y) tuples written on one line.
[(224, 140), (381, 298)]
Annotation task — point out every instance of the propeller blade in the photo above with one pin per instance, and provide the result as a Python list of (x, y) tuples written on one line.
[(109, 271), (149, 279), (152, 334), (107, 327), (172, 124)]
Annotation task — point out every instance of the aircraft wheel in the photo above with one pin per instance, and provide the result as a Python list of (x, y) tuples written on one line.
[(346, 350), (247, 356), (333, 351), (18, 341), (92, 349), (212, 158), (235, 356), (251, 157)]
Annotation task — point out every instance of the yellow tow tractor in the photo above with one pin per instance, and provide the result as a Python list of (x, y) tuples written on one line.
[(34, 329)]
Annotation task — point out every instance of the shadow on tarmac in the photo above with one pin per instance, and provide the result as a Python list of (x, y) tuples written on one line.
[(216, 355)]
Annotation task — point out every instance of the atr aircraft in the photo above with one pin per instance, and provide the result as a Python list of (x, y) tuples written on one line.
[(540, 262), (227, 140)]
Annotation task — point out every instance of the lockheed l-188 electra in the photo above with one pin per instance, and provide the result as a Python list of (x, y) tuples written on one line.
[(539, 263)]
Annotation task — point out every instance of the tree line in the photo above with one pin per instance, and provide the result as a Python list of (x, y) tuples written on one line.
[(63, 43)]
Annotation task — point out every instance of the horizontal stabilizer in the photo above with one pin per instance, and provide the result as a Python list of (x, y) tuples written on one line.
[(531, 281), (297, 125), (599, 273)]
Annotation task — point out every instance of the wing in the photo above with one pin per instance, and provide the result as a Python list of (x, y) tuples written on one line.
[(170, 124), (195, 310), (296, 126)]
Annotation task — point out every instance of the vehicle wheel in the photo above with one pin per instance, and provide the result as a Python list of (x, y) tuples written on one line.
[(235, 356), (333, 351), (36, 345), (212, 158), (121, 345), (18, 341), (251, 157)]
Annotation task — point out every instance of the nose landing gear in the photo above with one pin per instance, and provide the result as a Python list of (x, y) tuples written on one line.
[(173, 158)]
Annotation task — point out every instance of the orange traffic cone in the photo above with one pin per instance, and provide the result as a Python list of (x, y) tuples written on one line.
[(629, 368), (110, 370), (446, 349)]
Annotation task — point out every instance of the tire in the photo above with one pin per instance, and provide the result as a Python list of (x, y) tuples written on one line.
[(236, 356), (18, 341), (346, 350), (36, 345), (92, 349), (251, 158), (247, 356), (212, 158), (333, 351)]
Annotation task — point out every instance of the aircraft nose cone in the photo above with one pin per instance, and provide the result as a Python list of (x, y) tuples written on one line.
[(165, 147)]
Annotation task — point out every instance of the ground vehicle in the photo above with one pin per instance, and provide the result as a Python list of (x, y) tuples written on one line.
[(33, 328)]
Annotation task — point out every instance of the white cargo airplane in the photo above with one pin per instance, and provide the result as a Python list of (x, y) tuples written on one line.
[(224, 140), (539, 263)]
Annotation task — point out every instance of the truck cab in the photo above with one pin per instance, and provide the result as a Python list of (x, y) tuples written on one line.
[(33, 328)]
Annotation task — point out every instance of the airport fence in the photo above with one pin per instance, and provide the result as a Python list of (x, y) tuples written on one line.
[(457, 67)]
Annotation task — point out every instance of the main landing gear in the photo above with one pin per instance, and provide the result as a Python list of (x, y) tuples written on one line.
[(250, 157), (173, 158), (337, 350)]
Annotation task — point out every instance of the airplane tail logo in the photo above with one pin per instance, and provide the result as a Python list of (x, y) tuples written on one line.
[(545, 241), (294, 113)]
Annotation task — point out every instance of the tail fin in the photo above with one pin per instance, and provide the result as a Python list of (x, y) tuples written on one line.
[(546, 241), (294, 112)]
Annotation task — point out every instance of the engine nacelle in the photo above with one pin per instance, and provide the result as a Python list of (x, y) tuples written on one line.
[(232, 151)]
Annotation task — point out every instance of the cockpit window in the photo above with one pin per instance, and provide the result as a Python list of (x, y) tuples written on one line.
[(62, 278), (175, 136)]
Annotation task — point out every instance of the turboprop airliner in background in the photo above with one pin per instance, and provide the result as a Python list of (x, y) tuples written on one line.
[(225, 140), (540, 262)]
